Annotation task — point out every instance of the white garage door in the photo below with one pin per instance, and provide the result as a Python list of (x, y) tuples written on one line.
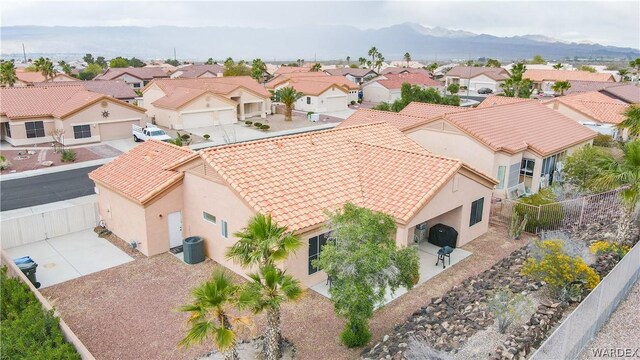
[(336, 103), (196, 120), (226, 117)]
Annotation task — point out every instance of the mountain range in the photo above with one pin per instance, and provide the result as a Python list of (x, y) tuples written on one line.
[(314, 42)]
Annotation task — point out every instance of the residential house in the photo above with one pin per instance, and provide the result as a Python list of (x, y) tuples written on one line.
[(198, 71), (322, 92), (476, 77), (137, 78), (544, 79), (30, 114), (628, 92), (403, 64), (200, 102), (520, 144), (291, 69), (28, 78), (496, 100), (594, 110), (386, 88), (146, 198), (579, 86), (404, 70), (117, 89), (355, 75)]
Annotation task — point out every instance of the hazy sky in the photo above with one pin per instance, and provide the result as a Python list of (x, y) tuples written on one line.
[(605, 22)]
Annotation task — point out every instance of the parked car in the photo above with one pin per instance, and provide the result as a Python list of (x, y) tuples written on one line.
[(149, 132), (485, 91)]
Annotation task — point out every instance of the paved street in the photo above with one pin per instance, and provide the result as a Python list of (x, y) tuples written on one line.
[(43, 189)]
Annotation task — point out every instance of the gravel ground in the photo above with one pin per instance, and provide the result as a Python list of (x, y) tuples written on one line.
[(622, 330), (129, 312), (34, 161)]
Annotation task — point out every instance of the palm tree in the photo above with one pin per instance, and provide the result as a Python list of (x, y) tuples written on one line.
[(269, 289), (624, 74), (561, 86), (211, 315), (8, 73), (362, 61), (623, 172), (316, 67), (379, 62), (66, 68), (288, 96), (373, 52), (632, 120), (558, 66), (407, 58), (432, 68), (348, 60)]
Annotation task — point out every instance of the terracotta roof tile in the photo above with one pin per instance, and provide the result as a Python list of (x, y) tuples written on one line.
[(291, 69), (469, 72), (218, 85), (566, 75), (400, 70), (395, 81), (357, 72), (35, 76), (428, 111), (579, 86), (595, 105), (629, 93), (140, 173), (114, 88), (194, 71), (143, 73), (495, 100), (370, 116)]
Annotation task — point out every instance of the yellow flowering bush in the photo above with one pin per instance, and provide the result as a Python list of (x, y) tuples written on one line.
[(558, 269), (605, 247)]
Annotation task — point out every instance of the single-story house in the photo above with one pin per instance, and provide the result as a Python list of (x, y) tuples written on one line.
[(282, 70), (117, 89), (404, 70), (520, 144), (137, 78), (629, 93), (476, 77), (544, 79), (593, 110), (296, 179), (322, 92), (579, 86), (200, 102), (386, 88), (355, 75), (29, 78), (30, 114), (197, 71)]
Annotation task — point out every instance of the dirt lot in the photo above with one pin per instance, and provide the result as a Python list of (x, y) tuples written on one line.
[(21, 161), (128, 312)]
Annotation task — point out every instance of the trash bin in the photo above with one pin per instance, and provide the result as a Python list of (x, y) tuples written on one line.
[(193, 249), (28, 268)]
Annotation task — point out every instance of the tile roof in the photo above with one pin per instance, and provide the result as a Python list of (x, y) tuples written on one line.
[(144, 73), (291, 69), (297, 178), (519, 126), (629, 93), (566, 75), (356, 72), (216, 85), (400, 70), (370, 116), (313, 83), (114, 88), (469, 72), (140, 174), (428, 111), (595, 105), (395, 81), (579, 86), (495, 100), (194, 71), (36, 76), (181, 96)]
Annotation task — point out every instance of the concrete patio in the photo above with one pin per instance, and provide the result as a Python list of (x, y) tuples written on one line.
[(428, 254)]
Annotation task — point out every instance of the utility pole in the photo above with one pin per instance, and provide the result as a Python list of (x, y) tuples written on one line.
[(24, 53)]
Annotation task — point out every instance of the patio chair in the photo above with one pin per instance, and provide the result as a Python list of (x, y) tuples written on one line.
[(443, 253)]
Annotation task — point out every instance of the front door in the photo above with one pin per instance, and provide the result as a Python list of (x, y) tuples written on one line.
[(175, 229)]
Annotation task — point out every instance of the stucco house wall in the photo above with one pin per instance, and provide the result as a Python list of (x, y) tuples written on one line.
[(156, 220), (374, 92), (19, 132), (483, 81), (318, 103), (124, 217)]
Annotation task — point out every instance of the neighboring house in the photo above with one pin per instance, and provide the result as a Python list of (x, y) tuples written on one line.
[(291, 69), (386, 88), (137, 78), (198, 71), (520, 144), (495, 100), (476, 77), (29, 115), (158, 194), (354, 75), (403, 64), (594, 110), (115, 88), (404, 70), (579, 86), (544, 79), (192, 103), (322, 92), (28, 78), (629, 93)]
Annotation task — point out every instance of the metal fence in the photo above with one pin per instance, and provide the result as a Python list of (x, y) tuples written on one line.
[(573, 334), (559, 215)]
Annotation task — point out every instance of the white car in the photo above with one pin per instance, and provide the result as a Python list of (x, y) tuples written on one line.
[(149, 132)]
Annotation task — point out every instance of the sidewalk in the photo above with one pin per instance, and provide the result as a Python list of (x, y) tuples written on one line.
[(51, 170)]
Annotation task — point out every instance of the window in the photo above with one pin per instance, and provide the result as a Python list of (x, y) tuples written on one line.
[(513, 179), (549, 167), (476, 211), (210, 218), (82, 131), (308, 100), (34, 129), (526, 167), (7, 129), (223, 229), (501, 172), (136, 85), (315, 247)]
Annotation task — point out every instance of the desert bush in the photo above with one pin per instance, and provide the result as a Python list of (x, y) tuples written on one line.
[(567, 276), (420, 350), (353, 102), (264, 127), (248, 123), (206, 136), (603, 140), (605, 247), (508, 307), (4, 163), (68, 156), (359, 101), (257, 124), (549, 215)]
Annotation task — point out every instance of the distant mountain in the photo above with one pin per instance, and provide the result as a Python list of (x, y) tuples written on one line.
[(321, 42)]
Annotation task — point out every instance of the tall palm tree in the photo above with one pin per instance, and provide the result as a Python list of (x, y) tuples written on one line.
[(407, 58), (373, 52), (47, 70), (316, 67), (379, 62), (558, 66), (288, 96), (362, 61), (632, 120), (8, 73), (269, 289), (561, 86), (624, 74), (625, 172), (348, 60), (211, 315)]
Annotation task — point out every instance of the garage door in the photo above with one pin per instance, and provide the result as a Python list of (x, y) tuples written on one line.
[(116, 131), (226, 117), (196, 120), (336, 103)]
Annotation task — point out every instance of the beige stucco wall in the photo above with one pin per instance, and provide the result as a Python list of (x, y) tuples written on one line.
[(318, 103), (156, 220), (482, 81), (125, 218), (134, 82), (374, 92), (19, 132)]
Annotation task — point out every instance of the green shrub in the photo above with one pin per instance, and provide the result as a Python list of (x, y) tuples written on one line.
[(359, 101), (68, 156), (248, 123), (355, 335), (206, 136), (257, 124), (382, 106), (353, 102), (264, 127), (4, 163), (603, 140), (309, 113), (26, 330), (540, 219)]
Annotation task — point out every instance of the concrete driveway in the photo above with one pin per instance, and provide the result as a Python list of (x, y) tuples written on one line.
[(70, 256)]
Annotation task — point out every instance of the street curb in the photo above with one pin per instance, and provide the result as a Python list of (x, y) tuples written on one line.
[(51, 170)]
